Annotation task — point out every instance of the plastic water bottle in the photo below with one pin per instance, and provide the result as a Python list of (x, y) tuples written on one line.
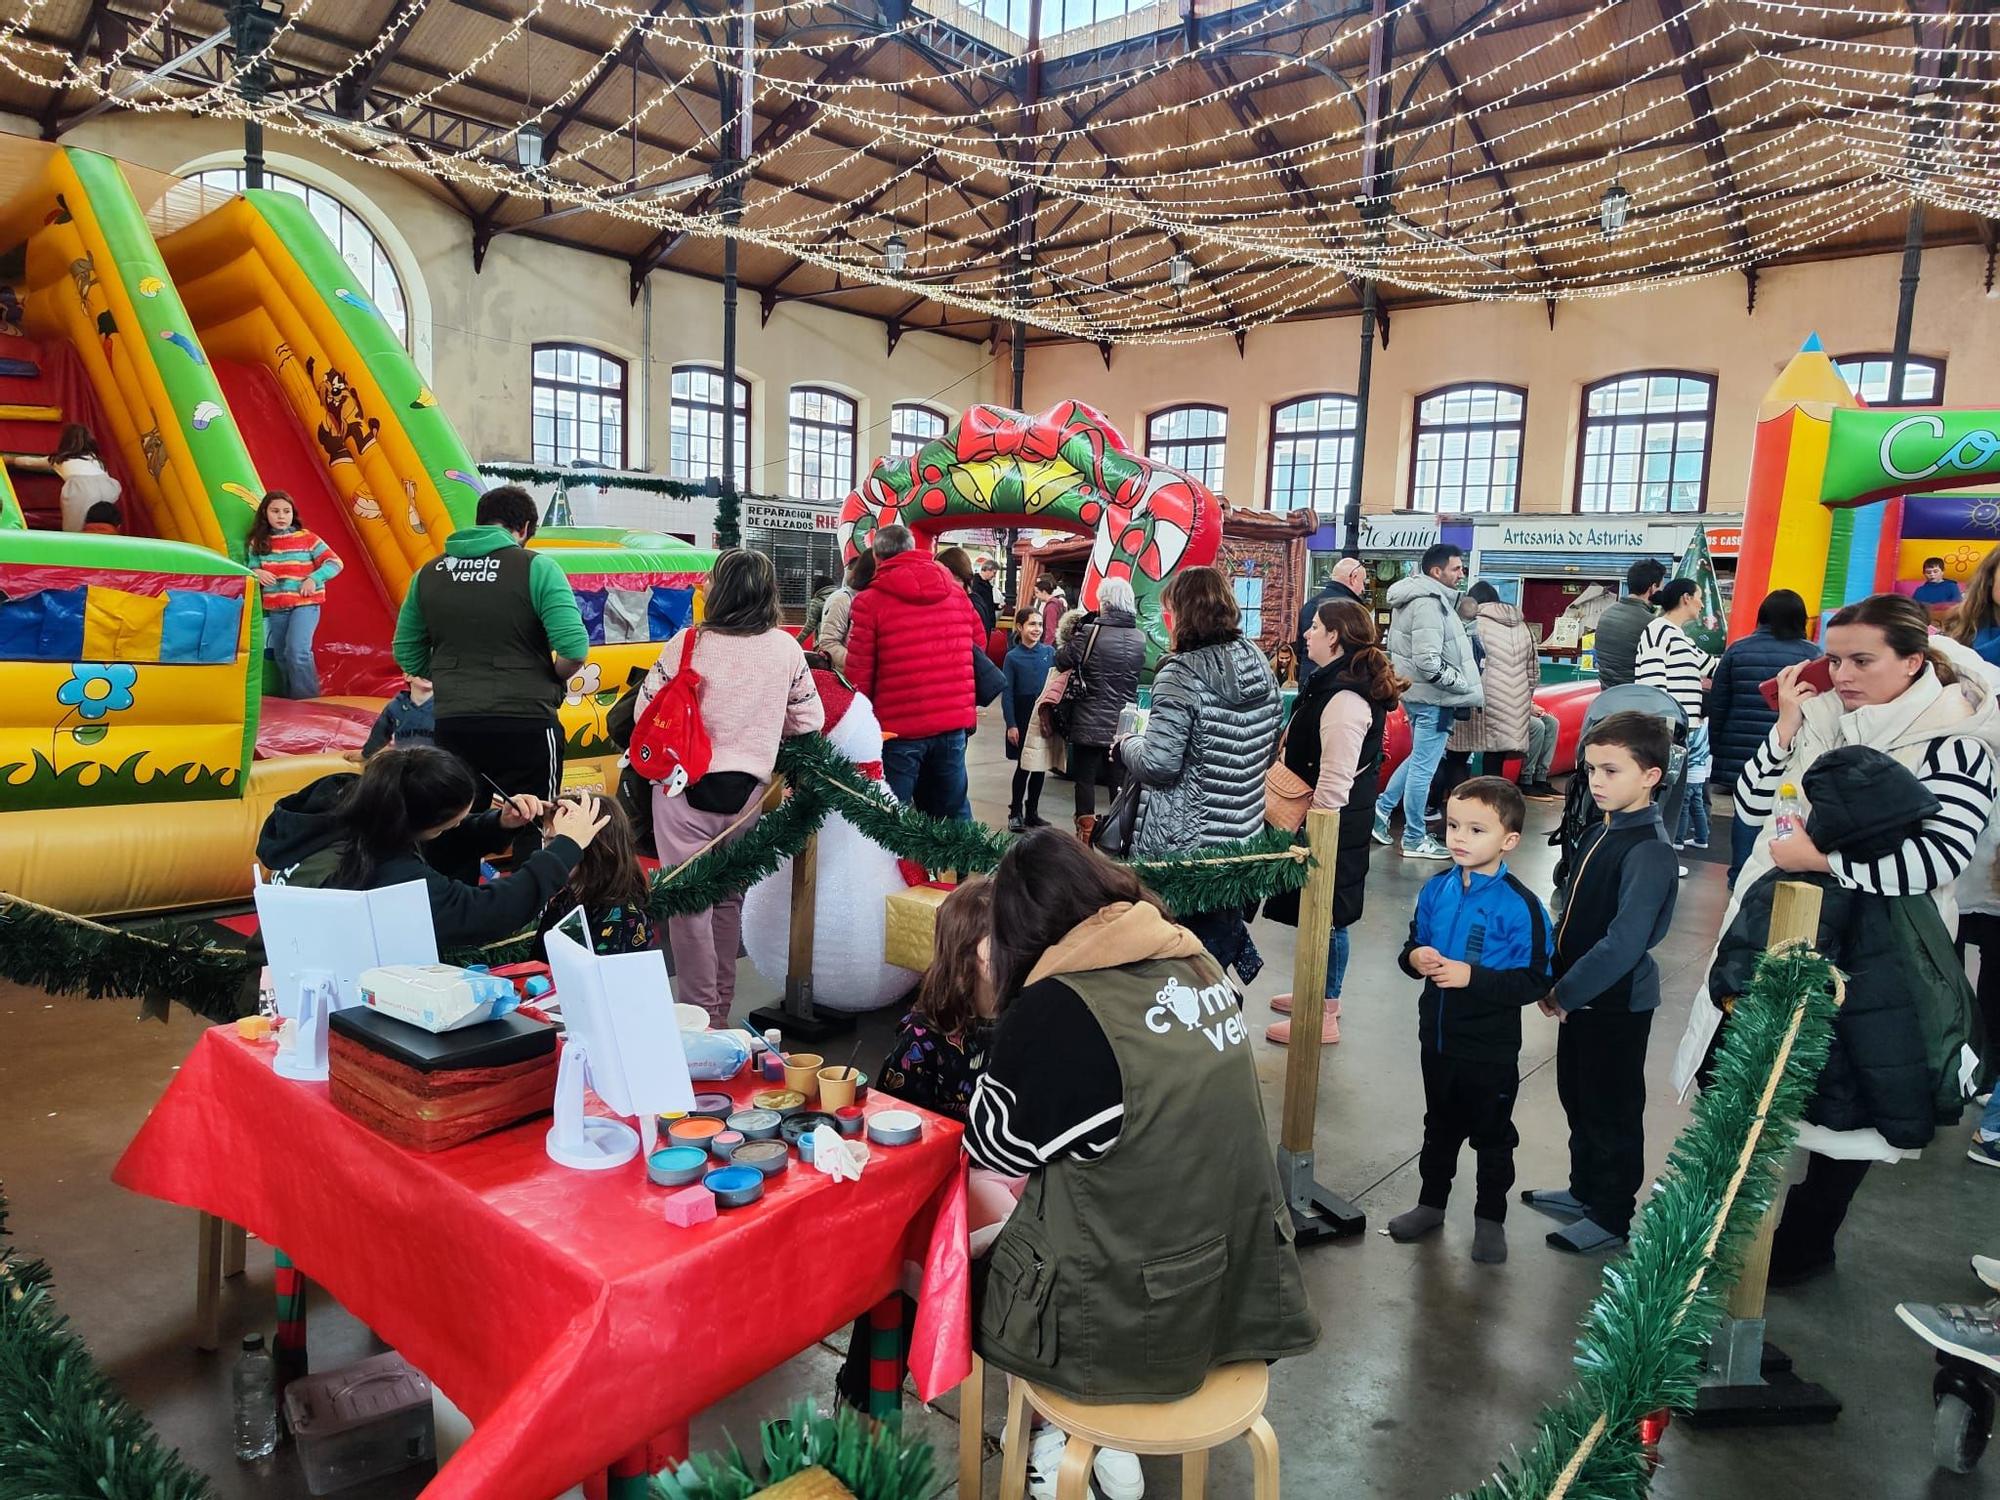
[(1788, 813), (256, 1389)]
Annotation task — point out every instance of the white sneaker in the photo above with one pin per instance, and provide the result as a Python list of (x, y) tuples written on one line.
[(1987, 1269), (1117, 1474), (1045, 1456), (1430, 848)]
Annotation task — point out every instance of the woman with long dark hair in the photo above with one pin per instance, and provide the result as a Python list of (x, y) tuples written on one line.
[(1121, 1081), (756, 691), (1738, 717), (78, 462), (405, 798), (1334, 745), (1976, 620)]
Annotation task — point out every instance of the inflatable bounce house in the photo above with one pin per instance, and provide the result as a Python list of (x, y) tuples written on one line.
[(1841, 501), (230, 357)]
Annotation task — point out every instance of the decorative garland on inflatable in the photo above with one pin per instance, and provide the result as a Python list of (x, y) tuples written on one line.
[(1064, 470)]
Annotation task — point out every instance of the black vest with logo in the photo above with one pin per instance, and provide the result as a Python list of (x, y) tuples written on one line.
[(490, 655)]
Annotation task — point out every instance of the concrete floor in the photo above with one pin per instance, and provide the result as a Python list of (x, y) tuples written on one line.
[(1431, 1368)]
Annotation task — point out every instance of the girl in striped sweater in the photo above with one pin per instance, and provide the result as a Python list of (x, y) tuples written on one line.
[(292, 566)]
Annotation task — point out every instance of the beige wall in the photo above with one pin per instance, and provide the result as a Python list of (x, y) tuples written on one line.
[(481, 328), (1701, 327)]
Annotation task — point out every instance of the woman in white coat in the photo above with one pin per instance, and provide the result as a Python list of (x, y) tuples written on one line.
[(1895, 691)]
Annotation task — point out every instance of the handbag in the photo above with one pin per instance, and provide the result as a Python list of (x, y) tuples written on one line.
[(1287, 796), (988, 681), (1117, 831), (1062, 715)]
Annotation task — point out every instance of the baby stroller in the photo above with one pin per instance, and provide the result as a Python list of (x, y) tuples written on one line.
[(1579, 811)]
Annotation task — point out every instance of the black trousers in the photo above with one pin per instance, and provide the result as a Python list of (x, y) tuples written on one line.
[(1469, 1101), (1815, 1208), (1086, 765), (516, 755), (1981, 930), (1601, 1079), (1027, 784)]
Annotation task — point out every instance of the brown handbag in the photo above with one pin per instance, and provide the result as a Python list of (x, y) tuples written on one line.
[(1287, 797)]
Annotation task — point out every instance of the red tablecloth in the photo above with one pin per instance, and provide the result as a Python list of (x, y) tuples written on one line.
[(556, 1308)]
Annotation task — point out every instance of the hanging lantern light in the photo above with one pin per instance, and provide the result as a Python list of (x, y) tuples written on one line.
[(895, 254), (1180, 270), (528, 146), (1613, 209)]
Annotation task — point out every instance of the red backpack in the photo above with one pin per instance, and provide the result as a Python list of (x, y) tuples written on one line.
[(669, 741)]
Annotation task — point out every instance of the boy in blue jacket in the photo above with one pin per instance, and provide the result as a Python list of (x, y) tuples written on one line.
[(1480, 942)]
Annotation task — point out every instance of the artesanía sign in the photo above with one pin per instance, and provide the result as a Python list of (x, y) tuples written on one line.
[(1555, 534), (1398, 533)]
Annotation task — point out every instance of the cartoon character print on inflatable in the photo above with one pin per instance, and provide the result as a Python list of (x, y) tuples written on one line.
[(855, 878), (1064, 470)]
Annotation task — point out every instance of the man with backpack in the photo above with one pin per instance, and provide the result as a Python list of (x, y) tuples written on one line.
[(497, 630), (1428, 645)]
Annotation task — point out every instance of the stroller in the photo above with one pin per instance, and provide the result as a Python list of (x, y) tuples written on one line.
[(1579, 811)]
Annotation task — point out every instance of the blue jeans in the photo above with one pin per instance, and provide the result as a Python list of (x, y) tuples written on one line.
[(1742, 839), (1989, 1123), (288, 640), (1694, 805), (1336, 962), (1430, 728), (929, 774)]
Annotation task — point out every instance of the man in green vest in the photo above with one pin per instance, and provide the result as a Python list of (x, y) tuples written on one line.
[(497, 630)]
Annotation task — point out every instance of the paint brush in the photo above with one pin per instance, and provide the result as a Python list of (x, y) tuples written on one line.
[(849, 1070)]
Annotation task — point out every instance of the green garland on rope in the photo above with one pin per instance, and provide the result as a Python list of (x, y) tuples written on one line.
[(645, 484), (63, 1429), (873, 1460)]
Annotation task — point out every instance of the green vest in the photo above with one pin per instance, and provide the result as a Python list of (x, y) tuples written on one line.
[(1132, 1277), (489, 652)]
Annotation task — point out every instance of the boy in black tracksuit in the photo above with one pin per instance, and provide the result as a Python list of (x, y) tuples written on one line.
[(1479, 940), (1618, 905)]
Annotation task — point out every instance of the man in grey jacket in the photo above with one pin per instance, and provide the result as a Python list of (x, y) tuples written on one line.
[(1428, 645), (1619, 627)]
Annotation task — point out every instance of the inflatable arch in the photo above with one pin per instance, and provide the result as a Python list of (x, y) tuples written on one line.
[(1839, 506), (1064, 470)]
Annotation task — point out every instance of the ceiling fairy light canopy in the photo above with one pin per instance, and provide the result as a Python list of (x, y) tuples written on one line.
[(1110, 170)]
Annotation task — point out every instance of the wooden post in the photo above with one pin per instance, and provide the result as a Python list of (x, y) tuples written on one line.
[(235, 1245), (1317, 1213), (805, 898), (207, 1282)]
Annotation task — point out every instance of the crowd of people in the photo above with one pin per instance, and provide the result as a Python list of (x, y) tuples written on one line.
[(1091, 1040)]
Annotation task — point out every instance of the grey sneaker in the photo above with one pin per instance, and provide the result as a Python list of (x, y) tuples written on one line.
[(1381, 827), (1987, 1269), (1968, 1333), (1430, 848)]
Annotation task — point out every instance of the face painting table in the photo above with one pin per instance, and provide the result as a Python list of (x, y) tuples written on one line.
[(557, 1308)]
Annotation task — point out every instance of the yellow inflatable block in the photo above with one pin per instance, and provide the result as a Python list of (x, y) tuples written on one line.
[(123, 695), (118, 626)]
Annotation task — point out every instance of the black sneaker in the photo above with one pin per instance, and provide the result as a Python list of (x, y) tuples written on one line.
[(1036, 820), (1014, 824)]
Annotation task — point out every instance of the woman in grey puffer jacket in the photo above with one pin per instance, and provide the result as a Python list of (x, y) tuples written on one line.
[(1210, 738), (1111, 652)]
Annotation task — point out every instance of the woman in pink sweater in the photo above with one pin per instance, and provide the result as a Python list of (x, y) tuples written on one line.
[(755, 691)]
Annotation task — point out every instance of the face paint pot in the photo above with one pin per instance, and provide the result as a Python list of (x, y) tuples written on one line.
[(895, 1127), (757, 1124), (784, 1101), (695, 1130), (677, 1166), (800, 1127), (851, 1121), (723, 1144), (734, 1187), (768, 1158), (721, 1106)]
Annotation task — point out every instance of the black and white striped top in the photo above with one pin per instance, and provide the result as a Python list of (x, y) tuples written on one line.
[(1957, 771), (1051, 1088), (1669, 660)]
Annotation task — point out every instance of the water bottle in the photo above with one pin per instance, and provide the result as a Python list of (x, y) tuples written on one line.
[(256, 1390), (1788, 813)]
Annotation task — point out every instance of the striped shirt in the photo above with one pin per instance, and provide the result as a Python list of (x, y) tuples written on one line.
[(1956, 770), (1051, 1088), (301, 563), (1669, 660)]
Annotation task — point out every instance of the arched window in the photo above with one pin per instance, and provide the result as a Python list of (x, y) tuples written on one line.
[(694, 438), (356, 242), (1867, 375), (1644, 445), (822, 444), (1312, 453), (911, 425), (1191, 439), (579, 406), (1468, 449)]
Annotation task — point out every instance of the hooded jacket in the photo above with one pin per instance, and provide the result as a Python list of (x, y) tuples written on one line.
[(1111, 653), (1210, 739), (1893, 1063), (1428, 644), (1617, 649), (910, 639), (303, 823), (1508, 679), (1738, 716)]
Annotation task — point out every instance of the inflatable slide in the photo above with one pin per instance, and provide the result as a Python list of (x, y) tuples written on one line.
[(231, 358)]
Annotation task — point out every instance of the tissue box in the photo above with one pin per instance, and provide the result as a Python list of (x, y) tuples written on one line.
[(909, 926), (437, 997)]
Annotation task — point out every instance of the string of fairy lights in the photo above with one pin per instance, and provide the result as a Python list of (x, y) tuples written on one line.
[(1545, 151)]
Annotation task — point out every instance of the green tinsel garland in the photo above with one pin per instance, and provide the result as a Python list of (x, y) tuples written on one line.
[(64, 1431), (645, 484), (873, 1460)]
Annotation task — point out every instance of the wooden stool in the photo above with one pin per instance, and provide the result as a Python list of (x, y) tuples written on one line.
[(1229, 1404)]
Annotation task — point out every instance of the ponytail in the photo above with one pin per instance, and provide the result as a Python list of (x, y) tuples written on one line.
[(1350, 624), (1941, 665), (1905, 626), (401, 795)]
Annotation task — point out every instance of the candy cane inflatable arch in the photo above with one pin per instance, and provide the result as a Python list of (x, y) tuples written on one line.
[(1064, 470)]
